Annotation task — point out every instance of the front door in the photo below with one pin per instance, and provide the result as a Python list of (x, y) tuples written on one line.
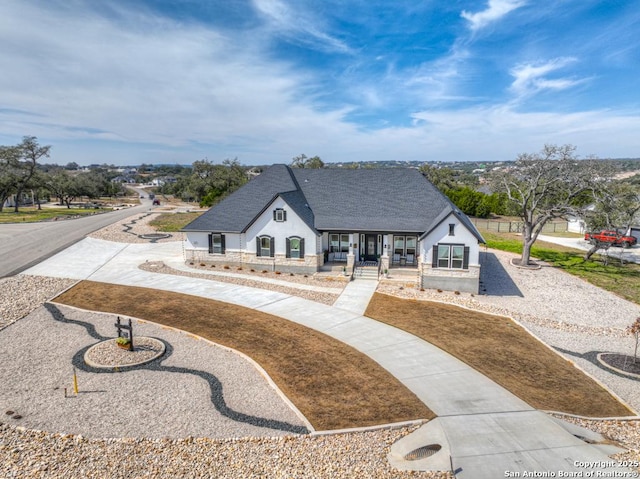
[(371, 248)]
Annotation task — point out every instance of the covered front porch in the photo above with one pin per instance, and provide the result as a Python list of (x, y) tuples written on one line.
[(388, 250)]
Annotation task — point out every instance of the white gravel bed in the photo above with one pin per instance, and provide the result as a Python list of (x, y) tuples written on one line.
[(172, 397), (129, 229), (344, 456), (21, 294), (107, 354), (318, 296), (324, 280)]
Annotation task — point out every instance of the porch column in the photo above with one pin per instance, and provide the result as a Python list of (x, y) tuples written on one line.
[(351, 257)]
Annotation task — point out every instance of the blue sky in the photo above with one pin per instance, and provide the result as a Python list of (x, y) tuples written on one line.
[(175, 81)]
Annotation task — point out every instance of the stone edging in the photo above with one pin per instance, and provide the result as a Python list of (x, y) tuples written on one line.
[(619, 371), (158, 350), (531, 267)]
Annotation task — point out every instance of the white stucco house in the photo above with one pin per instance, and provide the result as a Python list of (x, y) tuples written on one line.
[(306, 220)]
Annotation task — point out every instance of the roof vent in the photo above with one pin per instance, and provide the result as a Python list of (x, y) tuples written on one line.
[(306, 180)]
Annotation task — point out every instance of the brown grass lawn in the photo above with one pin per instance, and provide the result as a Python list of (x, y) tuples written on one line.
[(331, 383), (503, 351)]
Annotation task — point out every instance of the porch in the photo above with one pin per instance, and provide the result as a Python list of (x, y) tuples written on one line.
[(387, 250)]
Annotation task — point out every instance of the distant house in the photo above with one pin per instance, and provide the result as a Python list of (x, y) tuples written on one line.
[(305, 220)]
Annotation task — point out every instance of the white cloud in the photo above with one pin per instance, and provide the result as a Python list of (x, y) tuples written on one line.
[(495, 11), (530, 78), (152, 90), (298, 25)]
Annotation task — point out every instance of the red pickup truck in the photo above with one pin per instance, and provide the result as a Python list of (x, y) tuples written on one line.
[(613, 237)]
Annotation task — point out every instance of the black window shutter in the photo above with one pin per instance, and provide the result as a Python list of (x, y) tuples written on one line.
[(222, 245), (288, 248), (272, 246), (284, 215), (258, 241), (302, 247), (434, 256), (465, 258), (274, 215), (210, 243)]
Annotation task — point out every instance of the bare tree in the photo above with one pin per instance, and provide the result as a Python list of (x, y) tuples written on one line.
[(616, 206), (634, 329), (546, 185)]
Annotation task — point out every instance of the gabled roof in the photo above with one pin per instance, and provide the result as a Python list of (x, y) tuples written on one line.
[(385, 199), (238, 210)]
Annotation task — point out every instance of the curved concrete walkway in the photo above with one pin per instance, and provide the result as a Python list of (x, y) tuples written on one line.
[(486, 429)]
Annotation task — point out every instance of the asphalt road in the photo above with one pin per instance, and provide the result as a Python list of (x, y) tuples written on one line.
[(23, 245)]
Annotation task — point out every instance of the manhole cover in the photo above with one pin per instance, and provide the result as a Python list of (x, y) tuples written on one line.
[(422, 452), (154, 236)]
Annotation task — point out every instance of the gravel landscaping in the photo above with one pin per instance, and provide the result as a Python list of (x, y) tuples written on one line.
[(194, 389)]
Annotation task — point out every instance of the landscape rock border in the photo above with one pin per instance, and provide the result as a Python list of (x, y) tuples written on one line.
[(107, 354), (604, 363)]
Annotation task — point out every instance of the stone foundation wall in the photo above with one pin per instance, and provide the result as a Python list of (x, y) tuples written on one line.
[(307, 265), (467, 281)]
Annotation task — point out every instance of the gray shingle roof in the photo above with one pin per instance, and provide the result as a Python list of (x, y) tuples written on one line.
[(376, 200)]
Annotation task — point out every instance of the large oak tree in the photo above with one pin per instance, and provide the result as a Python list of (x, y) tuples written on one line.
[(542, 186)]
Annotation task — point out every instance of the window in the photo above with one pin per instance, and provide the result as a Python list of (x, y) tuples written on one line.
[(398, 245), (264, 246), (216, 243), (451, 256), (411, 245), (344, 243), (404, 245), (279, 215), (443, 255), (295, 247), (452, 228), (338, 243)]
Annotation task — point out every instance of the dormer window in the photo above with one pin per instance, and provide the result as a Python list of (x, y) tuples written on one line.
[(279, 215)]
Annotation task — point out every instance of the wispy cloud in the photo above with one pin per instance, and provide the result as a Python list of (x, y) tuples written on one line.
[(495, 11), (531, 78), (298, 25)]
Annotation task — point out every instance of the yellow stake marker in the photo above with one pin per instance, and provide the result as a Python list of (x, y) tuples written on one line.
[(75, 381)]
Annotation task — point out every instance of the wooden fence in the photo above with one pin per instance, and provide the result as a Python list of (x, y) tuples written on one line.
[(516, 226)]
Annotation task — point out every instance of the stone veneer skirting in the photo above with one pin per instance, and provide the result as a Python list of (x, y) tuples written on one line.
[(466, 281), (307, 265)]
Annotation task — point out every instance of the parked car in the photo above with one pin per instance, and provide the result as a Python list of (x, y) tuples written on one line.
[(611, 236), (156, 202)]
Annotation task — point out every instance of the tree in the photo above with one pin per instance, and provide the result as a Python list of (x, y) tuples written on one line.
[(616, 206), (546, 185), (302, 161), (29, 153), (441, 178), (634, 329), (17, 166), (63, 186), (9, 168)]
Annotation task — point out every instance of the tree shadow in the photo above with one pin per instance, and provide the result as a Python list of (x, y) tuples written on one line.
[(592, 357), (495, 279)]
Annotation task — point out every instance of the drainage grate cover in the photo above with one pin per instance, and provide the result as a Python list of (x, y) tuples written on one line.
[(422, 452)]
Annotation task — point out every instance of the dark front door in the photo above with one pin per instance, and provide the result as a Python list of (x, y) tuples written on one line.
[(371, 247)]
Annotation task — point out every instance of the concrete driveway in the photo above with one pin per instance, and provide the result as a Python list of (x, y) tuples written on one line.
[(631, 255)]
